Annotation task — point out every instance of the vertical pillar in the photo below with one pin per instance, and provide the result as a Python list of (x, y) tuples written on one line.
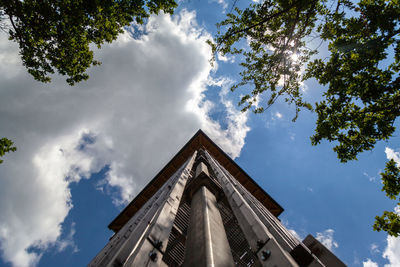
[(149, 249), (206, 243), (261, 241), (141, 242)]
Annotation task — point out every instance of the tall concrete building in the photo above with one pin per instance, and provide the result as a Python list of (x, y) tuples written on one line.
[(202, 209)]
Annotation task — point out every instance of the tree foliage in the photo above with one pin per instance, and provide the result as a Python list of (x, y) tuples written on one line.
[(57, 35), (390, 221), (362, 97), (6, 145), (275, 31)]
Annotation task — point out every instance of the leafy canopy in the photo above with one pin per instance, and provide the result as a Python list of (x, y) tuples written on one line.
[(390, 221), (6, 145), (362, 97), (56, 35)]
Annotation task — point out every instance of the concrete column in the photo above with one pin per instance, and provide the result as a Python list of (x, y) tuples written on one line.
[(261, 241), (142, 241), (206, 243)]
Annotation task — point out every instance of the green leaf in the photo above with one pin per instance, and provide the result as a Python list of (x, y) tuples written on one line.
[(6, 146), (56, 36)]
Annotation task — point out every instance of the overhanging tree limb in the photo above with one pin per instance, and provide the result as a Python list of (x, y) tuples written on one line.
[(362, 91)]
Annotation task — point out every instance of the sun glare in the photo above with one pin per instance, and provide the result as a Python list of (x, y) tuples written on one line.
[(294, 57)]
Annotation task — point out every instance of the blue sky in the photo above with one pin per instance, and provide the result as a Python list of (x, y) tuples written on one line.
[(85, 151)]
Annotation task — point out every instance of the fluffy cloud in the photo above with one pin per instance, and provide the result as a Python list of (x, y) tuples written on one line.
[(138, 108), (391, 154), (392, 251), (326, 238), (369, 263)]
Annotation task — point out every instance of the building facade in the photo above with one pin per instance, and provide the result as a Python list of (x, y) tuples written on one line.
[(202, 209)]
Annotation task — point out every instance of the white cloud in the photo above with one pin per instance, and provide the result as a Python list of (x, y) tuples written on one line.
[(139, 107), (326, 238), (370, 178), (292, 231), (225, 58), (35, 197), (295, 234), (374, 248), (391, 154), (278, 115), (369, 263), (223, 3), (392, 251), (68, 241), (275, 117)]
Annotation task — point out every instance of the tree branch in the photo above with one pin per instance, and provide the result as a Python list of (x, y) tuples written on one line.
[(257, 24)]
